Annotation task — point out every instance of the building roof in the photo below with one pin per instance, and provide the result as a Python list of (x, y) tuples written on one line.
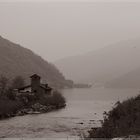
[(35, 76), (41, 85)]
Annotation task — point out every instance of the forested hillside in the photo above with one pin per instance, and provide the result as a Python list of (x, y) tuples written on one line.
[(16, 60)]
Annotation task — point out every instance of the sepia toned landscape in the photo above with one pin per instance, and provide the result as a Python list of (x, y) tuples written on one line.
[(70, 69)]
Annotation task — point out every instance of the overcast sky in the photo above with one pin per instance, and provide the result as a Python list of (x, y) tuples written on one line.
[(58, 29)]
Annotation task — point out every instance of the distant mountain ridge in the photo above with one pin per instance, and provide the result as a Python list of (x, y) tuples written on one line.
[(16, 60), (104, 65), (128, 80)]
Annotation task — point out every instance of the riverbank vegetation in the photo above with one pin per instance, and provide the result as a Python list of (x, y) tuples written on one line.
[(11, 106), (122, 120)]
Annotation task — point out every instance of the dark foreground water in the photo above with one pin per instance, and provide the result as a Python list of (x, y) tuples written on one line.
[(84, 110)]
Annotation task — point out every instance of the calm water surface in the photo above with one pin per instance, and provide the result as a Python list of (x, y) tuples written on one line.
[(84, 110)]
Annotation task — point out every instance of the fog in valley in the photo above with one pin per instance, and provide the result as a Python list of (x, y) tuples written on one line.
[(59, 29)]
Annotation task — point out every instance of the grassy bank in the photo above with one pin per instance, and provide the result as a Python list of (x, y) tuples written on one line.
[(122, 120)]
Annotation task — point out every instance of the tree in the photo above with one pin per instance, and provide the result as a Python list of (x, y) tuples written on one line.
[(18, 82), (3, 84)]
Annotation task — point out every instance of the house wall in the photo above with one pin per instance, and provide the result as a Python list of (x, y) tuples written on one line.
[(26, 90)]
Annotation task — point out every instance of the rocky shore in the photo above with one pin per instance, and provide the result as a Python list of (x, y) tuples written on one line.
[(36, 108)]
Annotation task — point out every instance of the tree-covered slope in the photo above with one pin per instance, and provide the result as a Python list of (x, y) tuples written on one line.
[(16, 60)]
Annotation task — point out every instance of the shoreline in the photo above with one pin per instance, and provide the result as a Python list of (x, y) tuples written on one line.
[(34, 109)]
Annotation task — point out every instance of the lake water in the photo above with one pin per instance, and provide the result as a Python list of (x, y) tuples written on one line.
[(84, 110)]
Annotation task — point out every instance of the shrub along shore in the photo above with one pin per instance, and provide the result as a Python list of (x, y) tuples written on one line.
[(122, 121), (11, 106)]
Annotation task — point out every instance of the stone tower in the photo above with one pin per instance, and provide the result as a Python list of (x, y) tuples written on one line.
[(35, 83)]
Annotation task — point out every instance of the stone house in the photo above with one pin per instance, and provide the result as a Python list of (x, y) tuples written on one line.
[(36, 88)]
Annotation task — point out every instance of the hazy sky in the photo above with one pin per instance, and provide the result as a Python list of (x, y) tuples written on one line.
[(58, 29)]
